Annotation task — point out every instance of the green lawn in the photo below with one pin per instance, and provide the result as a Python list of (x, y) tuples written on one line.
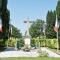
[(26, 58)]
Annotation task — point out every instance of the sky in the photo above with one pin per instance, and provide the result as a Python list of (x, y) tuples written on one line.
[(20, 10)]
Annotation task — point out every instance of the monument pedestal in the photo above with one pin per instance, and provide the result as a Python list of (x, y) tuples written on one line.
[(27, 40)]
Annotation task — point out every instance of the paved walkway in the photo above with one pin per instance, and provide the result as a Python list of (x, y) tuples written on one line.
[(51, 54), (11, 52)]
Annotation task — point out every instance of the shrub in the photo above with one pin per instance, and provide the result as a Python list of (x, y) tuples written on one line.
[(26, 48), (1, 43), (32, 42), (21, 42), (12, 42), (52, 43), (43, 54)]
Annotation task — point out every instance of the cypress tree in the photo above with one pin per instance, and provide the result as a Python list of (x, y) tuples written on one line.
[(5, 17), (58, 14), (50, 19)]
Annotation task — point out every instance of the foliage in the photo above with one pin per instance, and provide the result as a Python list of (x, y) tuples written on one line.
[(43, 54), (21, 42), (15, 33), (50, 21), (26, 47), (52, 43), (1, 43), (5, 16), (11, 42), (36, 28), (32, 42), (58, 14), (58, 9)]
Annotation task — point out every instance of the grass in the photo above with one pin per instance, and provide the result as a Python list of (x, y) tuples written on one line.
[(28, 58)]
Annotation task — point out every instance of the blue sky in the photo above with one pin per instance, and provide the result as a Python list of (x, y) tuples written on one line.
[(34, 9)]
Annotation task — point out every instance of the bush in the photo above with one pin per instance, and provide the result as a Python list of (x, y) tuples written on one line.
[(12, 42), (32, 42), (26, 48), (43, 54), (21, 42), (2, 43), (52, 43)]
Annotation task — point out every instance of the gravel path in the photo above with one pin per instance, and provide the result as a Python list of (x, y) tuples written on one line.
[(11, 52), (51, 54), (18, 54)]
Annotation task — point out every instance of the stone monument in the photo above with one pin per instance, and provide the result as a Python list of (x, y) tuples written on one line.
[(27, 35)]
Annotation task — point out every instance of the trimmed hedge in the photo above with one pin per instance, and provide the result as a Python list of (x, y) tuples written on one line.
[(12, 42), (52, 43)]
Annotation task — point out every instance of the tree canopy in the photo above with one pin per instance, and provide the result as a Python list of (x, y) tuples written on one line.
[(15, 32), (36, 28)]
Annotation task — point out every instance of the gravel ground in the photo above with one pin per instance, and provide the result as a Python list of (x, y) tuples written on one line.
[(51, 54), (11, 52)]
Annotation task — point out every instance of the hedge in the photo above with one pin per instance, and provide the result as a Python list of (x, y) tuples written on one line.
[(12, 42), (52, 43)]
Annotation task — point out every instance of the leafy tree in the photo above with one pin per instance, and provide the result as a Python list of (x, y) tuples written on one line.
[(15, 32), (36, 28)]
